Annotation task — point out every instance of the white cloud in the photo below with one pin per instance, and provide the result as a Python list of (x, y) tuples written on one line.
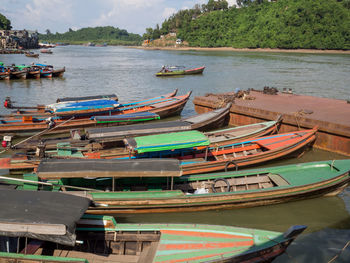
[(168, 11)]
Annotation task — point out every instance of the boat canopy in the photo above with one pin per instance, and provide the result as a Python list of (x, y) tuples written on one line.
[(70, 168), (48, 216), (167, 141), (137, 130), (82, 105), (21, 67)]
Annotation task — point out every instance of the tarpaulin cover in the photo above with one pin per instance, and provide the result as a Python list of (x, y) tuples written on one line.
[(138, 129), (109, 96), (86, 103), (36, 214), (70, 168), (167, 141)]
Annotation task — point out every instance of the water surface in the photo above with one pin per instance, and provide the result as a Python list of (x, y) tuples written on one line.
[(130, 74)]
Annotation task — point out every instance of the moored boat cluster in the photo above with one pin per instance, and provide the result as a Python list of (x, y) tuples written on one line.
[(104, 150), (34, 71)]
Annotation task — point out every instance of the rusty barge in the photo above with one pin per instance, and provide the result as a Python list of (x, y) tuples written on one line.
[(332, 116)]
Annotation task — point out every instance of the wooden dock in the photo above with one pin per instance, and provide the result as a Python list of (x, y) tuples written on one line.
[(299, 112)]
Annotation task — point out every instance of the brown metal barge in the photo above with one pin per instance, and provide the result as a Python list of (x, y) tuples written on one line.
[(332, 116)]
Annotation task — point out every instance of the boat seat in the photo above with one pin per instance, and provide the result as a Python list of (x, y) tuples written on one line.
[(278, 180)]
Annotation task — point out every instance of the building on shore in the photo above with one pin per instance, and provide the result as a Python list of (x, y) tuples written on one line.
[(18, 39)]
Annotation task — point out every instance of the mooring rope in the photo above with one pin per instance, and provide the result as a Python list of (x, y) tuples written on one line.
[(341, 251)]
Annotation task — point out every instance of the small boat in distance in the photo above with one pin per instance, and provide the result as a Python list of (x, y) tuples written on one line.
[(178, 70), (32, 54), (46, 51)]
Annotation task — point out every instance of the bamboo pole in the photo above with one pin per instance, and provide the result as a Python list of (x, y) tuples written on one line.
[(49, 184), (38, 134)]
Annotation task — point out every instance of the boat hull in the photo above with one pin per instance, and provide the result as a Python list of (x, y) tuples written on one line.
[(181, 72), (330, 186)]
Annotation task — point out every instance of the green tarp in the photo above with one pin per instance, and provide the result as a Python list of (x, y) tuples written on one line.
[(170, 141)]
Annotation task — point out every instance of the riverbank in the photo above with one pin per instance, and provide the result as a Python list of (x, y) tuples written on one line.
[(272, 50)]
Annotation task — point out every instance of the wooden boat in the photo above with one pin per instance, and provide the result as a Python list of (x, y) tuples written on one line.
[(109, 136), (4, 72), (28, 126), (242, 133), (31, 54), (175, 71), (61, 104), (55, 72), (58, 72), (16, 73), (62, 236), (150, 186), (45, 73), (4, 75), (192, 148), (33, 72), (161, 106), (46, 51)]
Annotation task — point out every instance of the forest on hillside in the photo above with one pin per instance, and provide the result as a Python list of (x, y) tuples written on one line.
[(107, 34), (288, 24)]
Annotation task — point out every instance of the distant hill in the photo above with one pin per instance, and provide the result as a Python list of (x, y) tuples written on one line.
[(107, 34), (287, 24)]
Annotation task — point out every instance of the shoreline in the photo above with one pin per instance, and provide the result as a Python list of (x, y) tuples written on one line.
[(268, 50)]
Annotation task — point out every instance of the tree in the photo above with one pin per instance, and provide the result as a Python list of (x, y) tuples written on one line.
[(5, 23), (48, 32)]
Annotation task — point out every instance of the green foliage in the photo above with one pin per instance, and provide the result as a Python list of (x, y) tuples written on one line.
[(184, 18), (108, 34), (5, 23), (290, 24)]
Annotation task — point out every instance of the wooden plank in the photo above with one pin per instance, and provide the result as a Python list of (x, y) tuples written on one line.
[(151, 252), (42, 229), (32, 247)]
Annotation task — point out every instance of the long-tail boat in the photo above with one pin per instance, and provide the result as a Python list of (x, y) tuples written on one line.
[(36, 229), (31, 54), (4, 75), (33, 72), (63, 106), (55, 72), (192, 148), (177, 71), (163, 107), (149, 186), (109, 136), (4, 72), (17, 73)]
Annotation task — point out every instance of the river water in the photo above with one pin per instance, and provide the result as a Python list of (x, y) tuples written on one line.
[(130, 72)]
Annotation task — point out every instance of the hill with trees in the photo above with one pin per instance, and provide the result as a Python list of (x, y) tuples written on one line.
[(287, 24), (5, 23), (107, 34)]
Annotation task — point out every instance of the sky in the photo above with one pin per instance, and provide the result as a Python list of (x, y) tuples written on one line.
[(60, 15)]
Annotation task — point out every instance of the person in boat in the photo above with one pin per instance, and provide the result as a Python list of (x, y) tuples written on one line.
[(164, 69), (50, 123)]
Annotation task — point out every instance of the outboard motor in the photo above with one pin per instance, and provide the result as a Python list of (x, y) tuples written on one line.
[(6, 141), (8, 103)]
